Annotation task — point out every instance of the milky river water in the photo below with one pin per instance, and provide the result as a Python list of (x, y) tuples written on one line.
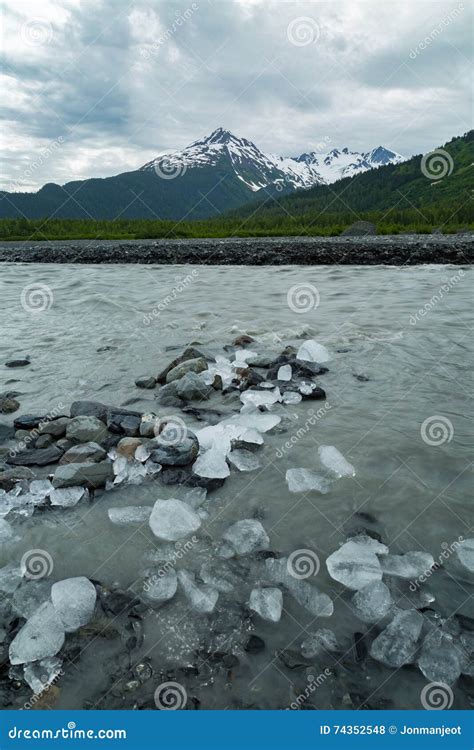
[(398, 408)]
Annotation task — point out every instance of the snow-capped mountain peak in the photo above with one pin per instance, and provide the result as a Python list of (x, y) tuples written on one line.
[(260, 170)]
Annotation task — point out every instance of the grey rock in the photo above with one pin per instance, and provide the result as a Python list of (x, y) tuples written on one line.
[(189, 353), (190, 365), (83, 453), (89, 409), (56, 427), (145, 381), (9, 405), (124, 424), (169, 454), (192, 388), (10, 477), (43, 441), (28, 421), (85, 429), (36, 457), (40, 637), (74, 474)]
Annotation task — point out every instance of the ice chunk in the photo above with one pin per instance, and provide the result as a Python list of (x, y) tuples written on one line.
[(10, 578), (162, 586), (41, 488), (320, 642), (244, 460), (311, 351), (409, 565), (195, 497), (267, 602), (172, 519), (260, 398), (67, 497), (40, 637), (291, 397), (356, 564), (142, 453), (304, 480), (203, 599), (284, 372), (222, 367), (280, 571), (219, 575), (212, 463), (29, 596), (74, 601), (7, 534), (332, 459), (397, 644), (439, 659), (39, 675), (152, 468), (129, 514), (465, 554), (247, 536), (373, 602)]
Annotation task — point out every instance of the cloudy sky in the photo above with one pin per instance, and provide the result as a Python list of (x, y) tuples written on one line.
[(98, 87)]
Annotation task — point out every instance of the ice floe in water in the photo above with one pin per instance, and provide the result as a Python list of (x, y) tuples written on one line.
[(195, 497), (279, 571), (172, 519), (439, 658), (203, 598), (40, 488), (260, 398), (74, 601), (40, 637), (356, 564), (333, 460), (247, 536), (311, 351), (267, 602), (291, 397), (129, 514), (320, 642), (372, 602), (243, 460), (284, 372), (67, 497), (305, 480), (409, 565), (398, 643), (212, 463)]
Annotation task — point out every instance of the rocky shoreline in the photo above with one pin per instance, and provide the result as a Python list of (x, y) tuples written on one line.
[(55, 462), (394, 250)]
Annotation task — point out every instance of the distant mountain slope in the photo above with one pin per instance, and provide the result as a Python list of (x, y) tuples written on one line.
[(394, 187), (213, 175)]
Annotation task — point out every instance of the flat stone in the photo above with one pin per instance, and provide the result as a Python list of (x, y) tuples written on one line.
[(89, 474), (36, 457), (40, 637), (172, 519), (190, 365), (397, 644), (83, 453), (145, 382), (85, 429), (9, 405)]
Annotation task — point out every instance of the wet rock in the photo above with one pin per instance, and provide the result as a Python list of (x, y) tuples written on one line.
[(85, 429), (83, 453), (128, 445), (28, 421), (162, 587), (74, 602), (171, 476), (168, 395), (397, 644), (17, 363), (246, 536), (190, 365), (130, 514), (42, 636), (6, 432), (56, 427), (267, 602), (68, 497), (9, 405), (360, 229), (88, 474), (410, 565), (189, 353), (43, 441), (175, 449), (192, 388), (36, 457), (171, 520), (10, 477), (299, 368), (281, 571), (89, 409), (254, 645), (146, 382), (125, 424)]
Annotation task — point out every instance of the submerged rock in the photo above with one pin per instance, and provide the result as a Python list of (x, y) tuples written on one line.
[(36, 457), (145, 382), (247, 536), (304, 480), (85, 429), (175, 447), (308, 596), (267, 602), (398, 643), (74, 601), (40, 637), (83, 453), (171, 520)]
